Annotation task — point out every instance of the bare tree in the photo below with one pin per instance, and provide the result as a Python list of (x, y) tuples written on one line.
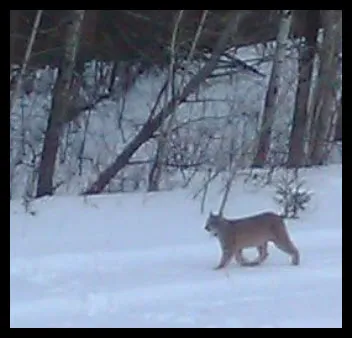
[(228, 185), (338, 132), (27, 56), (154, 122), (162, 146), (306, 54), (155, 172), (271, 100), (60, 102), (324, 113)]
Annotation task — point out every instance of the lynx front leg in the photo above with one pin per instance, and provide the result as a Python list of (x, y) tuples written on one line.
[(225, 259)]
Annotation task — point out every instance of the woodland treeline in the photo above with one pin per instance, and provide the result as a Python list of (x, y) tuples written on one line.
[(98, 56)]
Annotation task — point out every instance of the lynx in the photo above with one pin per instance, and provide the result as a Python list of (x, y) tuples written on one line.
[(258, 230)]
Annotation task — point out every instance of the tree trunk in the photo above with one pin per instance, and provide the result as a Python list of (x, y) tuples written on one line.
[(154, 123), (154, 176), (60, 102), (296, 156), (324, 112), (338, 132), (14, 28), (28, 53), (271, 100)]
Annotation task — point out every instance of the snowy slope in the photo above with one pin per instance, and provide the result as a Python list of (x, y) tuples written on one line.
[(138, 260)]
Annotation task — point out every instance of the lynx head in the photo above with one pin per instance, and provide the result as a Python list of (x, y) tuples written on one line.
[(213, 223)]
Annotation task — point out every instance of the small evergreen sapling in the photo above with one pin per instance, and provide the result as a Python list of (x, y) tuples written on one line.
[(291, 195)]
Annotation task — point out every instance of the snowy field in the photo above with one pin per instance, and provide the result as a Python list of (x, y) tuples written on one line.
[(144, 260)]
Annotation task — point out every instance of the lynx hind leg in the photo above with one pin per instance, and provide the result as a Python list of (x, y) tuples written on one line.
[(241, 260), (263, 254), (290, 249), (227, 254)]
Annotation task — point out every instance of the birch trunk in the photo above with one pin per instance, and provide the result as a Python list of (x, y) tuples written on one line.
[(27, 56), (271, 100), (162, 146), (156, 170)]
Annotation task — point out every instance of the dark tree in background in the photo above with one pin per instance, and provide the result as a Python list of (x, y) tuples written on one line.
[(325, 114), (306, 54), (60, 103)]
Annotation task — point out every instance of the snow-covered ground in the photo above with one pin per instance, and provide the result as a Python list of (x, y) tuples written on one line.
[(144, 260)]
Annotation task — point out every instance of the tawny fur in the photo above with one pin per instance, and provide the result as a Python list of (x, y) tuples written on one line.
[(234, 235)]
